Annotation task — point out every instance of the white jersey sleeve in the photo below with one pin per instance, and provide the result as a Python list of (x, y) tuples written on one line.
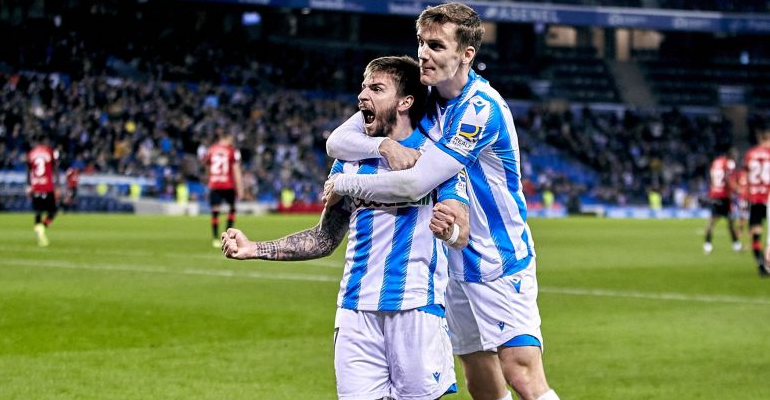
[(432, 168), (350, 142)]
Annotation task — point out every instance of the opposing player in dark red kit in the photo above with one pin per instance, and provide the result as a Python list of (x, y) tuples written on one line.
[(42, 178), (720, 193), (223, 163), (70, 201), (757, 162)]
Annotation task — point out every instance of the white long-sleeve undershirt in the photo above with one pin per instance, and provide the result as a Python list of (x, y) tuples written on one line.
[(349, 141), (432, 168)]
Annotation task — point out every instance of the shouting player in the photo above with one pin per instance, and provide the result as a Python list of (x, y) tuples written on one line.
[(223, 162), (391, 336), (492, 294)]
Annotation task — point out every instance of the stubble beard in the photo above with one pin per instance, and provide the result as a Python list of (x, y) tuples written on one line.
[(386, 123)]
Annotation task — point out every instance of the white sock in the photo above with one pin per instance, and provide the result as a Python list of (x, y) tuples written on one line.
[(549, 395), (507, 397)]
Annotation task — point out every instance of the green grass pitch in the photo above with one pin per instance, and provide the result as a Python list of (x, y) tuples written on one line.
[(142, 307)]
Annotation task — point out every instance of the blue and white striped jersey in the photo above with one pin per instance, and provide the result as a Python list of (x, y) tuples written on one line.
[(476, 128), (393, 262)]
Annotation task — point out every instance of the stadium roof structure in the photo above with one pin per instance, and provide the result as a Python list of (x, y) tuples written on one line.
[(620, 17)]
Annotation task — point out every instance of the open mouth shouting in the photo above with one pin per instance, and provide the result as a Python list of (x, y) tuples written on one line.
[(369, 117)]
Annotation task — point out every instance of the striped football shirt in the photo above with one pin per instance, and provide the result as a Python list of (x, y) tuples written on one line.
[(393, 262), (476, 128)]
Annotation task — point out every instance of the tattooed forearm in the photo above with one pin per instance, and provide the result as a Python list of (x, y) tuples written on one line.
[(316, 242)]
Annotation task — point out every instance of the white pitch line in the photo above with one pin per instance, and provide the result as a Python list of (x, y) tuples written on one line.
[(655, 296), (213, 256), (161, 270), (226, 273)]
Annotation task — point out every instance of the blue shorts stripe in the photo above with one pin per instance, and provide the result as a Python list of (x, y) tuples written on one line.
[(433, 309), (523, 340)]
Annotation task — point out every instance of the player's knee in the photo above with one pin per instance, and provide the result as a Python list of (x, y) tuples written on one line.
[(485, 384), (479, 389), (524, 372), (520, 379)]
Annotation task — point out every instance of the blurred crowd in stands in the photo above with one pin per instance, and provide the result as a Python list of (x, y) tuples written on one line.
[(161, 129), (636, 152)]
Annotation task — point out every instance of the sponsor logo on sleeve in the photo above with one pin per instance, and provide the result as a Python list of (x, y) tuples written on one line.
[(462, 184), (466, 137)]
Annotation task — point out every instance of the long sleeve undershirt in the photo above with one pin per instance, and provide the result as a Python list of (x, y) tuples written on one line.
[(432, 168), (349, 142)]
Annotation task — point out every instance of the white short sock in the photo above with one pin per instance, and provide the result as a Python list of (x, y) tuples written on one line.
[(549, 395), (507, 397)]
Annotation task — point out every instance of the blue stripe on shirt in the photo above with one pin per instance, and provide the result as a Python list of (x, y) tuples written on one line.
[(336, 167), (504, 150), (364, 223), (432, 272), (415, 140), (484, 195), (364, 229), (471, 263), (396, 262)]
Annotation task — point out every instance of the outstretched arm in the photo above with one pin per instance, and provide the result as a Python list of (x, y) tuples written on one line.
[(433, 168), (350, 142), (316, 242)]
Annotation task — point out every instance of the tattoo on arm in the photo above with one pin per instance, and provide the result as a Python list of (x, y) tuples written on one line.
[(316, 242)]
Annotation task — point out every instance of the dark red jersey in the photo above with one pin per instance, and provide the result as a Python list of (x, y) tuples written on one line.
[(757, 162), (73, 175), (41, 161), (220, 160), (721, 170), (740, 183)]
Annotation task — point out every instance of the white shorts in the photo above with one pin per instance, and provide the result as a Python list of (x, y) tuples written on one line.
[(484, 316), (405, 355)]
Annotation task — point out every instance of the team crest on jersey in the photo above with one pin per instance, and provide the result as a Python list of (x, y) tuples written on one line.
[(479, 105)]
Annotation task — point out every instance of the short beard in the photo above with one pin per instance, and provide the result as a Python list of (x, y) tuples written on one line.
[(386, 124)]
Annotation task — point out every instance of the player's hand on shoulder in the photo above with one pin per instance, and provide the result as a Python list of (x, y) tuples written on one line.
[(442, 221), (398, 156), (236, 245)]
